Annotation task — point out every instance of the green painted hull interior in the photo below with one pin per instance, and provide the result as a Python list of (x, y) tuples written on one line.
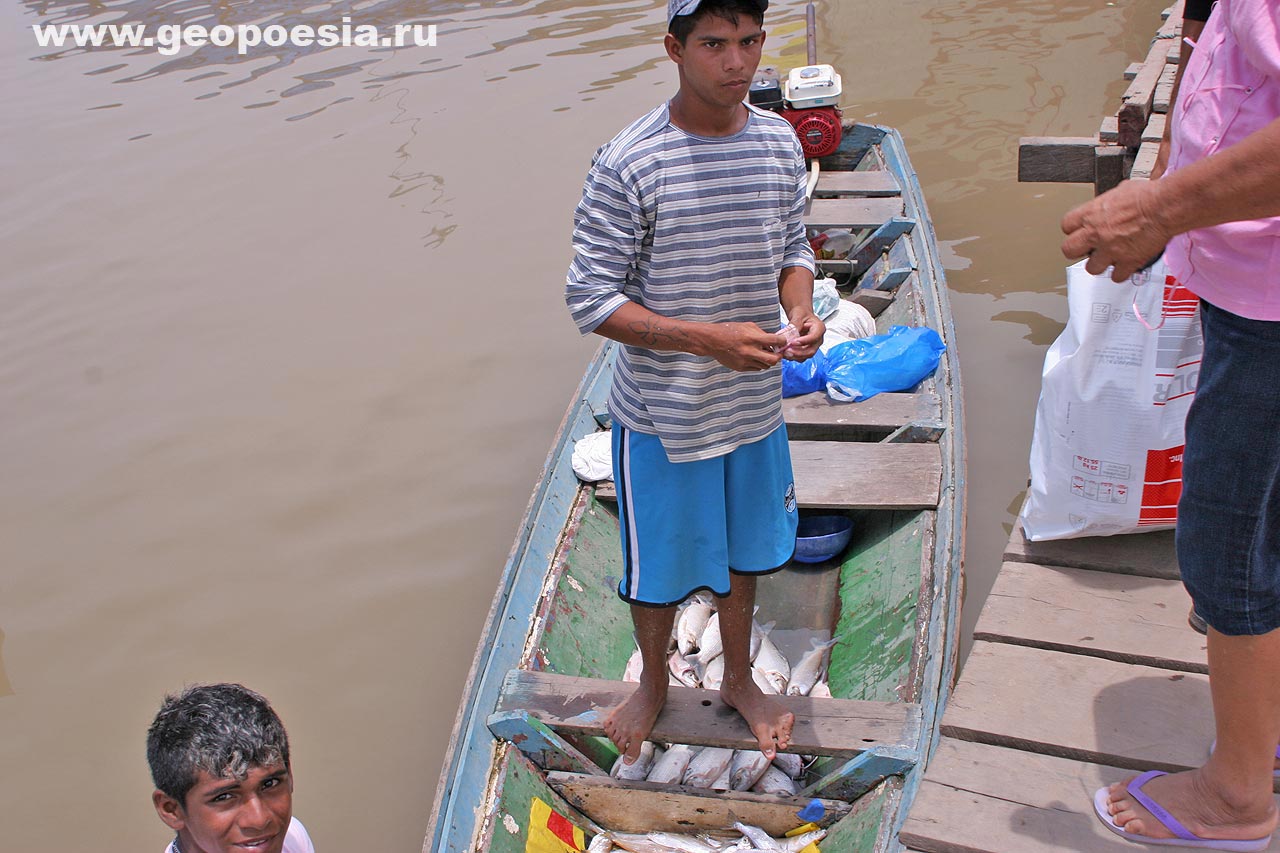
[(868, 599)]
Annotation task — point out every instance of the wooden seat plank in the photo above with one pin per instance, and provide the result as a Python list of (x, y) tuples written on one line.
[(816, 416), (652, 807), (853, 213), (1119, 617), (1085, 708), (1146, 554), (977, 798), (857, 475), (867, 184), (837, 727)]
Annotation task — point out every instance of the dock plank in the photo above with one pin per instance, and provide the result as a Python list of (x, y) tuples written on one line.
[(852, 213), (816, 416), (652, 807), (857, 475), (838, 727), (1138, 98), (1084, 708), (987, 799), (1149, 555), (1067, 159), (1118, 617), (867, 184)]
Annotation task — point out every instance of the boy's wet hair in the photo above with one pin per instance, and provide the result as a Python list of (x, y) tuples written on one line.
[(222, 729), (729, 10)]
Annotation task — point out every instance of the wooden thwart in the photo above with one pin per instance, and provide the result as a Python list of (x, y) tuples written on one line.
[(816, 416), (651, 807), (837, 727), (878, 184), (852, 213), (1119, 617), (1086, 708), (857, 475), (1146, 554)]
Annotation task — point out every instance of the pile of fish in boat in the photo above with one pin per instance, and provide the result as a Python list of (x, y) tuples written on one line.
[(750, 838), (695, 660)]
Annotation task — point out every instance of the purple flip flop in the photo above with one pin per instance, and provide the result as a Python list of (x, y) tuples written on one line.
[(1184, 838)]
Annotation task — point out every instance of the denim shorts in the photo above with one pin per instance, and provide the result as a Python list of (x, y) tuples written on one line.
[(1228, 534)]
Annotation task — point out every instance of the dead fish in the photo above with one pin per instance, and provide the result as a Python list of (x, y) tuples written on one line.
[(692, 622), (714, 675), (759, 839), (773, 663), (710, 645), (639, 769), (796, 843), (758, 634), (774, 781), (602, 843), (635, 665), (638, 843), (722, 781), (821, 690), (682, 669), (763, 682), (789, 763), (809, 669), (670, 768), (682, 843), (747, 768), (706, 766)]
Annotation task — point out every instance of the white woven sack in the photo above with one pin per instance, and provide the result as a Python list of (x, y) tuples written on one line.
[(1106, 456)]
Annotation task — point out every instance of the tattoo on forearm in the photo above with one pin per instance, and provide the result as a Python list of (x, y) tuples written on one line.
[(653, 333)]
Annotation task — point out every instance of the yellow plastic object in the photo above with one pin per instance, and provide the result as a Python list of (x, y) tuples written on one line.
[(801, 830), (551, 832)]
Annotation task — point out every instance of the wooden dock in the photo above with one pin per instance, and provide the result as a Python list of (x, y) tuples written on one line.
[(1127, 142), (1083, 671)]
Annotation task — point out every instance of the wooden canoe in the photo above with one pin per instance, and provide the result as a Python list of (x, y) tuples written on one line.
[(526, 749)]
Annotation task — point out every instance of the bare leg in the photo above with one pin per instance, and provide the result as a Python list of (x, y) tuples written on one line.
[(629, 724), (770, 722), (1229, 797)]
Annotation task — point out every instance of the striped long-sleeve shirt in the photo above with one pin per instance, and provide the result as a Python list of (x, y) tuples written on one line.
[(694, 228)]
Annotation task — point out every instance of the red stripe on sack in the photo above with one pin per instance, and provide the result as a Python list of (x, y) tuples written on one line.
[(1162, 486), (561, 828)]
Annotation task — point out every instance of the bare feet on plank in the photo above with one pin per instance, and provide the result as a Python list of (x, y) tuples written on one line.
[(629, 724), (769, 721)]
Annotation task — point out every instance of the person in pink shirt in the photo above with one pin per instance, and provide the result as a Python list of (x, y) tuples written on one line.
[(1215, 213)]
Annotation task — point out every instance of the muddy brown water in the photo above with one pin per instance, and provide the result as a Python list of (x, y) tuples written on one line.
[(282, 349)]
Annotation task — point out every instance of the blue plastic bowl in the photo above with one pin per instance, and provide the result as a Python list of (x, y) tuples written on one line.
[(821, 537)]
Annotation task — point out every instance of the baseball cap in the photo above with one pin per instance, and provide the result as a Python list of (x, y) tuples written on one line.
[(676, 8)]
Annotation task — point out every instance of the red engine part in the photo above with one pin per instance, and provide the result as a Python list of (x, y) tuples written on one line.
[(817, 127)]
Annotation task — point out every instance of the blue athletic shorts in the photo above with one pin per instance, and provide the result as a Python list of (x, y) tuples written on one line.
[(686, 525), (1228, 534)]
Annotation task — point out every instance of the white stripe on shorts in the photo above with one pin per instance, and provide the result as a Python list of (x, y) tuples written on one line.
[(633, 543)]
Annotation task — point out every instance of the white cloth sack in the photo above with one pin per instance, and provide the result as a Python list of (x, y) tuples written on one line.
[(1106, 456), (593, 456), (851, 320)]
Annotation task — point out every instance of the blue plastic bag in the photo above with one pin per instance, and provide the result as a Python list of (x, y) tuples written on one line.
[(856, 370), (803, 377)]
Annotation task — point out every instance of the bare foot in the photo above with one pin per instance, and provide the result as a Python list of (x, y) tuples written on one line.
[(1196, 804), (769, 720), (629, 724)]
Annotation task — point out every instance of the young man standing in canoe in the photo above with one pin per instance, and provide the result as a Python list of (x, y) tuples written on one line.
[(688, 235)]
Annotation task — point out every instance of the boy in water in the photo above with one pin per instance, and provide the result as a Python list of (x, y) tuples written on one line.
[(688, 235), (219, 758)]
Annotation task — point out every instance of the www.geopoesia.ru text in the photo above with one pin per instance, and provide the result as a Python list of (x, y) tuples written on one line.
[(169, 39)]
